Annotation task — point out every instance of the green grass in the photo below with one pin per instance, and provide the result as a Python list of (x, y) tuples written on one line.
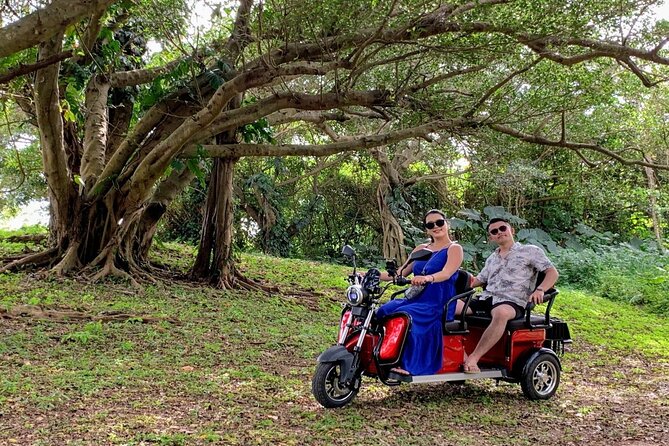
[(235, 368), (613, 326)]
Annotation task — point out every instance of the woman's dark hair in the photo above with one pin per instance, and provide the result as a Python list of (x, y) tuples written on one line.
[(433, 211)]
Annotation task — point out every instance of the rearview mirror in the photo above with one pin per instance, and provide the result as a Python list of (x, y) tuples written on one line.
[(421, 254)]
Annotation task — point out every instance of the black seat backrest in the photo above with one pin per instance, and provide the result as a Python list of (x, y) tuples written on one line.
[(462, 282)]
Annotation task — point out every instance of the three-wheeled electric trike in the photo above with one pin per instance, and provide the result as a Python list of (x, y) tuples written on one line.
[(528, 352)]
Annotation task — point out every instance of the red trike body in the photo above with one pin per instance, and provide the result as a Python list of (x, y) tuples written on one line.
[(527, 353), (509, 354)]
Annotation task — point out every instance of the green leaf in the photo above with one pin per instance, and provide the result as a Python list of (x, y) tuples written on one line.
[(471, 214)]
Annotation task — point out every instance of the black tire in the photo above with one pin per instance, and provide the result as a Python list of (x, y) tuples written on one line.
[(326, 388), (541, 377)]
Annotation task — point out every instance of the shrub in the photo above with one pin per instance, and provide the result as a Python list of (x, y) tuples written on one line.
[(620, 273)]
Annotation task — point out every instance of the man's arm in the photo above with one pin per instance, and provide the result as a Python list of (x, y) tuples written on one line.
[(551, 276)]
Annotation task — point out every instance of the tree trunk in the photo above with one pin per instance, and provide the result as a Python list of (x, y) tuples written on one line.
[(393, 236), (54, 157), (214, 260), (160, 201)]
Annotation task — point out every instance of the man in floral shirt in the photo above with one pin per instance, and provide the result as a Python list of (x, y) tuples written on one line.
[(510, 275)]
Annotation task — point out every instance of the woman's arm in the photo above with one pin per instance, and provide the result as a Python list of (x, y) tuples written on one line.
[(407, 266)]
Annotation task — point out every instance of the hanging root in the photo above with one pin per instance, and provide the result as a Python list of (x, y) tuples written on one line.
[(35, 259)]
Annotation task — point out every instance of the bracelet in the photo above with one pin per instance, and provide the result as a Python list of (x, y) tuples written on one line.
[(432, 275), (539, 289)]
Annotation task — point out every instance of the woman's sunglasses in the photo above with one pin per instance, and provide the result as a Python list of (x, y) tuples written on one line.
[(431, 224), (502, 228)]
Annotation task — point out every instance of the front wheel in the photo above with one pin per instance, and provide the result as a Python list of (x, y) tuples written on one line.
[(541, 377), (328, 390)]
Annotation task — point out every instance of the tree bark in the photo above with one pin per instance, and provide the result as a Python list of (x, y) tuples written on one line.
[(393, 236), (214, 261), (46, 23), (160, 201), (54, 156)]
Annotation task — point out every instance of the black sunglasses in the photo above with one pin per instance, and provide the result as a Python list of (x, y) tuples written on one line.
[(502, 228), (431, 224)]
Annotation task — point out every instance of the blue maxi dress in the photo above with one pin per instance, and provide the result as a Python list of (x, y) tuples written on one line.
[(422, 353)]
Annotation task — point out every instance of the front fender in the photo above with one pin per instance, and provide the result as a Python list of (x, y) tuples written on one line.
[(338, 353), (537, 353)]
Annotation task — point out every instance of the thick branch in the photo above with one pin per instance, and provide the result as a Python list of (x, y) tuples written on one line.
[(30, 68), (137, 77), (95, 131), (154, 164), (47, 107), (46, 23), (280, 101), (574, 146), (360, 143)]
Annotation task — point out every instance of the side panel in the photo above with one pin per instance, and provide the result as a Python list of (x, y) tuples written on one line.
[(522, 343), (453, 355), (395, 330), (496, 356), (366, 350)]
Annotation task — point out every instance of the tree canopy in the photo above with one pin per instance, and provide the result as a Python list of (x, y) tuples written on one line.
[(513, 95)]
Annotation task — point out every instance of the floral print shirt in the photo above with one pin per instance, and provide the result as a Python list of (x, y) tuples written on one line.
[(513, 278)]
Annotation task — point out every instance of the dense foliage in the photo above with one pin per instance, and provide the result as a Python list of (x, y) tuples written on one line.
[(304, 125)]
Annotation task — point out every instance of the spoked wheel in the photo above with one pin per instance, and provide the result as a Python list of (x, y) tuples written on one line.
[(541, 378), (326, 387)]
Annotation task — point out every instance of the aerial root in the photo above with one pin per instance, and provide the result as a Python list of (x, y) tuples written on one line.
[(60, 315), (110, 269), (240, 282), (69, 262), (34, 259)]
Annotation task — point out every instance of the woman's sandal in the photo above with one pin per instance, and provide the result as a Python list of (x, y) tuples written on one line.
[(400, 371)]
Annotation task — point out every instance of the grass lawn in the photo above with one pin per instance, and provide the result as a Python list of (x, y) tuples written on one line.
[(226, 367)]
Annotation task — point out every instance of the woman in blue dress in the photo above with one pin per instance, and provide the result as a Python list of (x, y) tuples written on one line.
[(422, 353)]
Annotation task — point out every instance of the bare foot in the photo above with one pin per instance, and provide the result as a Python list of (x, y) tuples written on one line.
[(470, 368)]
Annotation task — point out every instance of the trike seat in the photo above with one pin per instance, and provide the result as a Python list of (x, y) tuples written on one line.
[(464, 291), (536, 321)]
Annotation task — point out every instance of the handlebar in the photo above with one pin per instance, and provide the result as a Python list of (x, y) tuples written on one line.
[(401, 280)]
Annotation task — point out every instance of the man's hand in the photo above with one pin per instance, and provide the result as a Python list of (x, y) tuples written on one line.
[(537, 296)]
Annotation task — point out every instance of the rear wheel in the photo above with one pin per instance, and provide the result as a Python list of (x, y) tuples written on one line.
[(327, 389), (541, 377)]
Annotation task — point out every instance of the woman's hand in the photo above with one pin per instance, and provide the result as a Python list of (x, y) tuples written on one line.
[(422, 280)]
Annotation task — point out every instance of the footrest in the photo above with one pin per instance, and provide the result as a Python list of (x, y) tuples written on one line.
[(458, 376), (399, 377)]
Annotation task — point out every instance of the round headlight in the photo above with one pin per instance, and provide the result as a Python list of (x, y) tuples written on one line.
[(355, 295)]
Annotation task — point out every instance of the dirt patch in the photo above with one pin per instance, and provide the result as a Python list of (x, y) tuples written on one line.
[(602, 400)]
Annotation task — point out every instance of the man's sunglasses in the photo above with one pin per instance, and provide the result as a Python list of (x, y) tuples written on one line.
[(431, 224), (502, 228)]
